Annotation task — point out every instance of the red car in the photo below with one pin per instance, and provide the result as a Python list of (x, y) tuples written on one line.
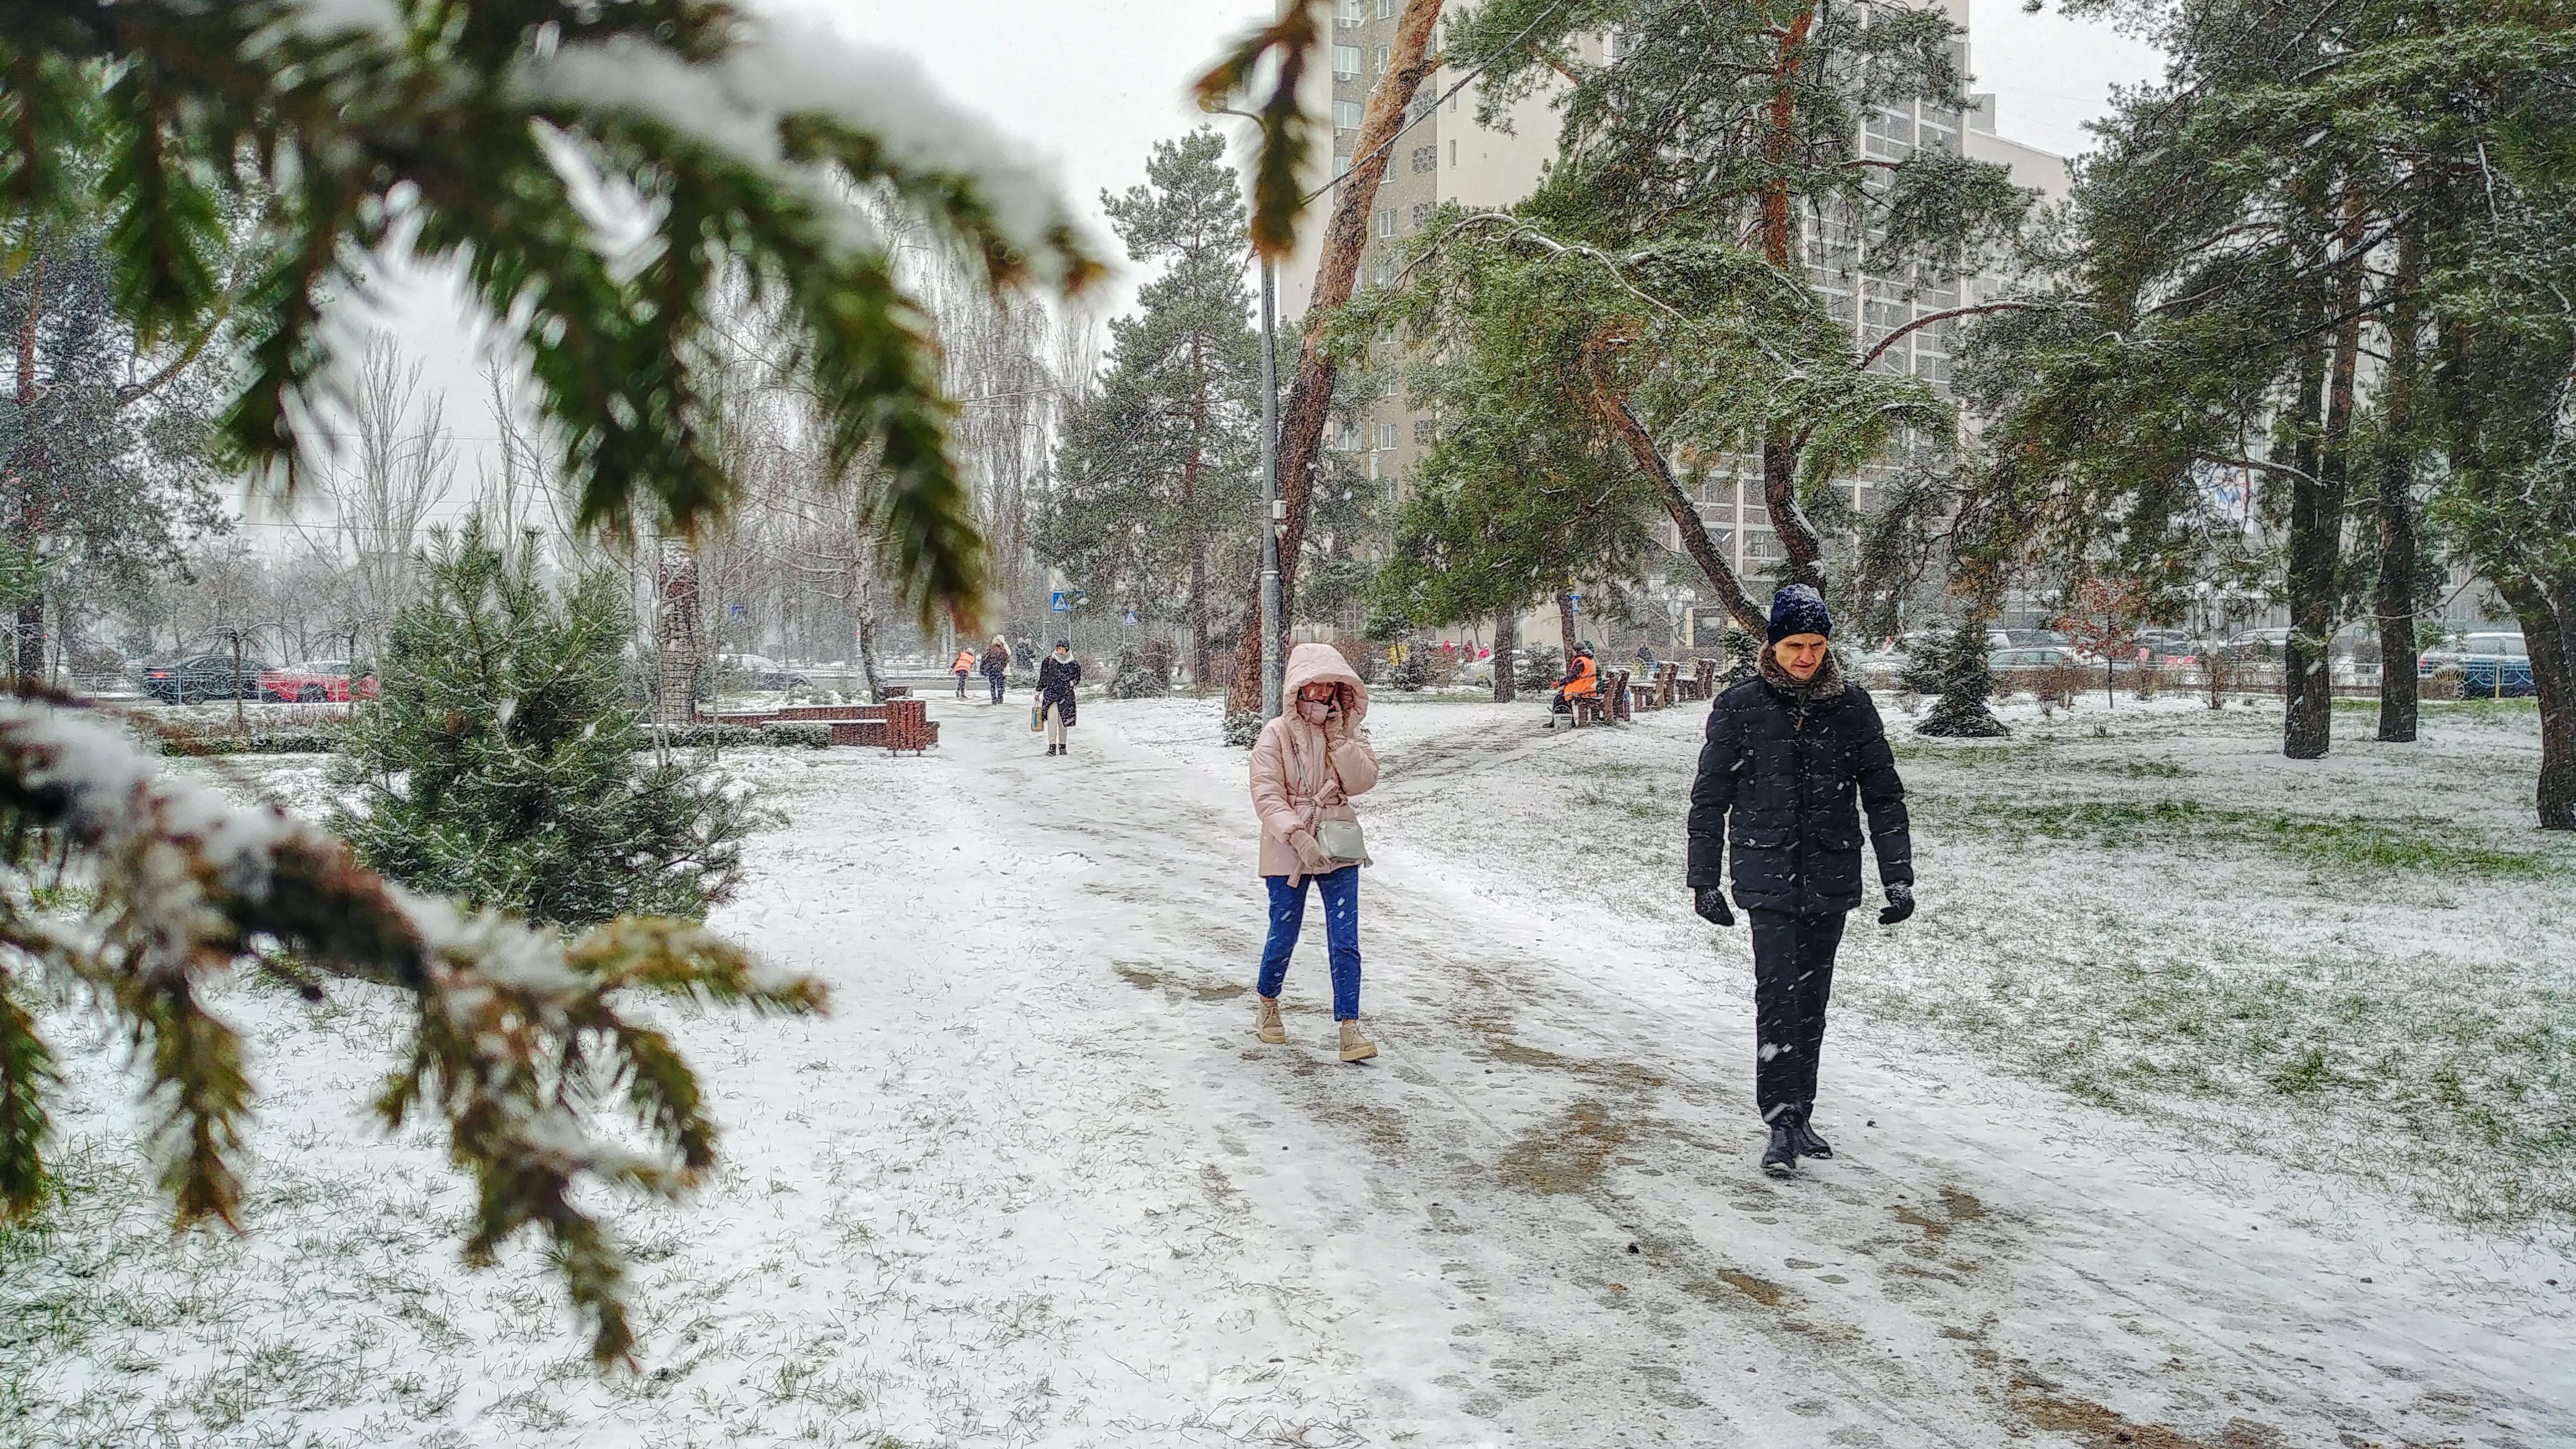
[(315, 681)]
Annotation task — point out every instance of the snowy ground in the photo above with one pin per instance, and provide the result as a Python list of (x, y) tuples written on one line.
[(2183, 1115)]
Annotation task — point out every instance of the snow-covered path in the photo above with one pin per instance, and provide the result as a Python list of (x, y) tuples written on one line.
[(1535, 1218), (1033, 1182)]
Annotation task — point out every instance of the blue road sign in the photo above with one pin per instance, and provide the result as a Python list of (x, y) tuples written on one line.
[(1058, 602), (1131, 618)]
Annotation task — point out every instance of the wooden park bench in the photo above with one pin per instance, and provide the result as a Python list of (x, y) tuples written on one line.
[(900, 725), (1606, 704), (1704, 680)]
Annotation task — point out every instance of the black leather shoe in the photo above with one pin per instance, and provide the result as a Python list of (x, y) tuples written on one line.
[(1781, 1157), (1804, 1134)]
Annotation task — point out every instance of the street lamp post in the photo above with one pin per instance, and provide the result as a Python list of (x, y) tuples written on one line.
[(1274, 648)]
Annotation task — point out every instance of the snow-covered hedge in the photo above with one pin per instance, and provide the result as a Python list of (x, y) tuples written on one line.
[(258, 742), (705, 736), (797, 734)]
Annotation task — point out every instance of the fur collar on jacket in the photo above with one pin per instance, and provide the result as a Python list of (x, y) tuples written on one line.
[(1824, 687)]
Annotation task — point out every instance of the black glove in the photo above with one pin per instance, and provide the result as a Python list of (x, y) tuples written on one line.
[(1900, 904), (1710, 902)]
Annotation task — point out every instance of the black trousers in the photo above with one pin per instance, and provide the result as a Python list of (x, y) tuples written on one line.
[(995, 681), (1793, 976)]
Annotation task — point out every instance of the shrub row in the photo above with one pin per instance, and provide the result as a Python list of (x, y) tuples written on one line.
[(259, 742)]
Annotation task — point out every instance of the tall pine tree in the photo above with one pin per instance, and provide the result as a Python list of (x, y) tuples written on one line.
[(1156, 498)]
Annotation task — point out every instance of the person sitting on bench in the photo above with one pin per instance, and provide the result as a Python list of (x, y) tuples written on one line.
[(1582, 680)]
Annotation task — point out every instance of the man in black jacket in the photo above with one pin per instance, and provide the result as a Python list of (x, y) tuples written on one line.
[(1786, 752)]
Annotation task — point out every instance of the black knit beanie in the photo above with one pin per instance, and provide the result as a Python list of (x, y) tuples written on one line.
[(1799, 609)]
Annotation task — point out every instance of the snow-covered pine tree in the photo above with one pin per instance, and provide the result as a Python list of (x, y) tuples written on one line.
[(505, 765), (1967, 683), (1155, 496)]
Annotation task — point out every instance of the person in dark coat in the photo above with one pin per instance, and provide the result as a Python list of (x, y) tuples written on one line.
[(1058, 673), (997, 663), (1786, 753)]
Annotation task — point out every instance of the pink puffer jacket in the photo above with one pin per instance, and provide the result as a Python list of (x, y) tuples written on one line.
[(1303, 773)]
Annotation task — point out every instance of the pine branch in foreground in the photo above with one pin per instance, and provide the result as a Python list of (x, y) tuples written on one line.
[(518, 1038)]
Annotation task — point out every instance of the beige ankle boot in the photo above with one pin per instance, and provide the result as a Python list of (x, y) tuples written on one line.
[(1355, 1047), (1265, 1019)]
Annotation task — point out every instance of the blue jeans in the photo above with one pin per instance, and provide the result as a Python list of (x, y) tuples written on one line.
[(1341, 934)]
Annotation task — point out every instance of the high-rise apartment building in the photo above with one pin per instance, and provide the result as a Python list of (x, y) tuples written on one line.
[(1443, 155)]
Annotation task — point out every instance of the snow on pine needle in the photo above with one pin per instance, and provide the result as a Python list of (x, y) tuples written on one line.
[(518, 1040)]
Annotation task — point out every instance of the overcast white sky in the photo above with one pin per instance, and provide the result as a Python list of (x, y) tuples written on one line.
[(1095, 84)]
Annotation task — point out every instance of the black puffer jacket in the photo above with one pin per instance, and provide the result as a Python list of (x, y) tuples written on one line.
[(1784, 760)]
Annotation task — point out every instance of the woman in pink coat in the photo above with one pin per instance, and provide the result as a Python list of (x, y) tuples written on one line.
[(1306, 766)]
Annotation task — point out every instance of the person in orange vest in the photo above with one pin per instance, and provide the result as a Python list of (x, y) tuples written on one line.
[(962, 666), (1582, 677)]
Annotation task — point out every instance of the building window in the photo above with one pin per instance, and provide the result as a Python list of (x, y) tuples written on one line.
[(1424, 430), (1347, 13), (1421, 214), (1453, 153), (1426, 158), (1346, 437), (1379, 57), (1386, 437), (1386, 221), (1386, 9), (1346, 62), (1346, 115)]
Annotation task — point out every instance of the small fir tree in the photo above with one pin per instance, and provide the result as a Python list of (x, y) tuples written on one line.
[(1967, 682), (503, 764), (1141, 672)]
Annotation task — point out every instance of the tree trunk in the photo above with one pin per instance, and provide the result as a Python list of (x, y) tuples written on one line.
[(27, 657), (864, 632), (2396, 595), (2553, 670), (1198, 619), (2316, 521), (1565, 622), (1685, 514), (1507, 642), (1310, 395), (29, 660), (1798, 540), (2316, 518)]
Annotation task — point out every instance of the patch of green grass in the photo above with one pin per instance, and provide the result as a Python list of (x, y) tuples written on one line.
[(2350, 843)]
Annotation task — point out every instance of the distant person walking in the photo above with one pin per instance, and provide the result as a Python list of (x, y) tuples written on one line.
[(962, 666), (997, 663), (1787, 751), (1306, 766), (1058, 673)]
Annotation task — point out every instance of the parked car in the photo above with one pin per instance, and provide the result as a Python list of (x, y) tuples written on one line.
[(2458, 650), (756, 672), (2030, 661), (316, 681), (2169, 652), (2030, 638), (2493, 664), (2256, 644), (201, 677)]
